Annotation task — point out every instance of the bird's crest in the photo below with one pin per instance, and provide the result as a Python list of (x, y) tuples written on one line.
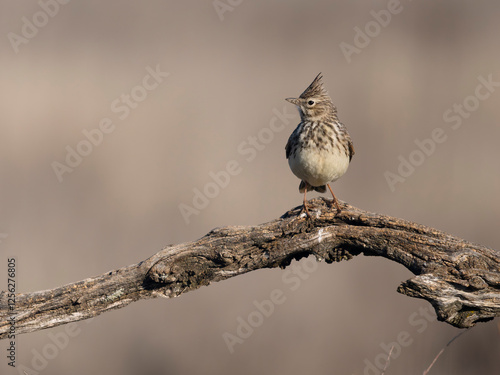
[(315, 89)]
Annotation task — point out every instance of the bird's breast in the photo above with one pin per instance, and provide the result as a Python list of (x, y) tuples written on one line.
[(320, 155)]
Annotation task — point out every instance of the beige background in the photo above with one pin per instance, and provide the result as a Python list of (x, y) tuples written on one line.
[(121, 204)]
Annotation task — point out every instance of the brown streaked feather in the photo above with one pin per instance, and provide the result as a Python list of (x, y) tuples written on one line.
[(315, 89)]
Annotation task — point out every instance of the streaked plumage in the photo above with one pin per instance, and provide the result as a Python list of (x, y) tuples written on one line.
[(320, 149)]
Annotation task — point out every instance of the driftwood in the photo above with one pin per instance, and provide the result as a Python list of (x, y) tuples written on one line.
[(460, 279)]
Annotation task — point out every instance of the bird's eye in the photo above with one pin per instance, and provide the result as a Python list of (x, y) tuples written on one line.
[(310, 102)]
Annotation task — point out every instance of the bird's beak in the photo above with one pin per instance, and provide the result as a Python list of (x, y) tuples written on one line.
[(295, 101)]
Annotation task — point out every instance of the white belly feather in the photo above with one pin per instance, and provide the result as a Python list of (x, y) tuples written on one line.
[(319, 167)]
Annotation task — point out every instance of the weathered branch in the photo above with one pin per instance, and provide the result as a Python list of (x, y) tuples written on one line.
[(460, 279)]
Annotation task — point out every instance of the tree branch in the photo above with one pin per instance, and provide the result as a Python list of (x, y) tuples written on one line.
[(460, 279)]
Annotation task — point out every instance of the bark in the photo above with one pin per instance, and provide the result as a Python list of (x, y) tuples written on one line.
[(460, 279)]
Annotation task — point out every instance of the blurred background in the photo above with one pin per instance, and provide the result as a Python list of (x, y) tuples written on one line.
[(396, 71)]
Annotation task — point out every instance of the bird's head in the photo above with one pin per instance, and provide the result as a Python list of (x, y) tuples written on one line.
[(314, 103)]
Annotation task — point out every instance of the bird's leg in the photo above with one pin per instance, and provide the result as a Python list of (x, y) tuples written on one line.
[(334, 201), (305, 205)]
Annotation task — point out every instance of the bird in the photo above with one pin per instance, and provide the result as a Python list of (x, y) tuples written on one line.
[(320, 149)]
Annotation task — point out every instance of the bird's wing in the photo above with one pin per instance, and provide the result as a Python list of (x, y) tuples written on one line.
[(293, 136), (288, 147), (351, 149)]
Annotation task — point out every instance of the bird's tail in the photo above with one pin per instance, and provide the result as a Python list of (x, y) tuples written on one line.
[(320, 189), (304, 185)]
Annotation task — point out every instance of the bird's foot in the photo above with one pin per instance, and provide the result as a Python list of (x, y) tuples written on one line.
[(304, 209), (333, 203)]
